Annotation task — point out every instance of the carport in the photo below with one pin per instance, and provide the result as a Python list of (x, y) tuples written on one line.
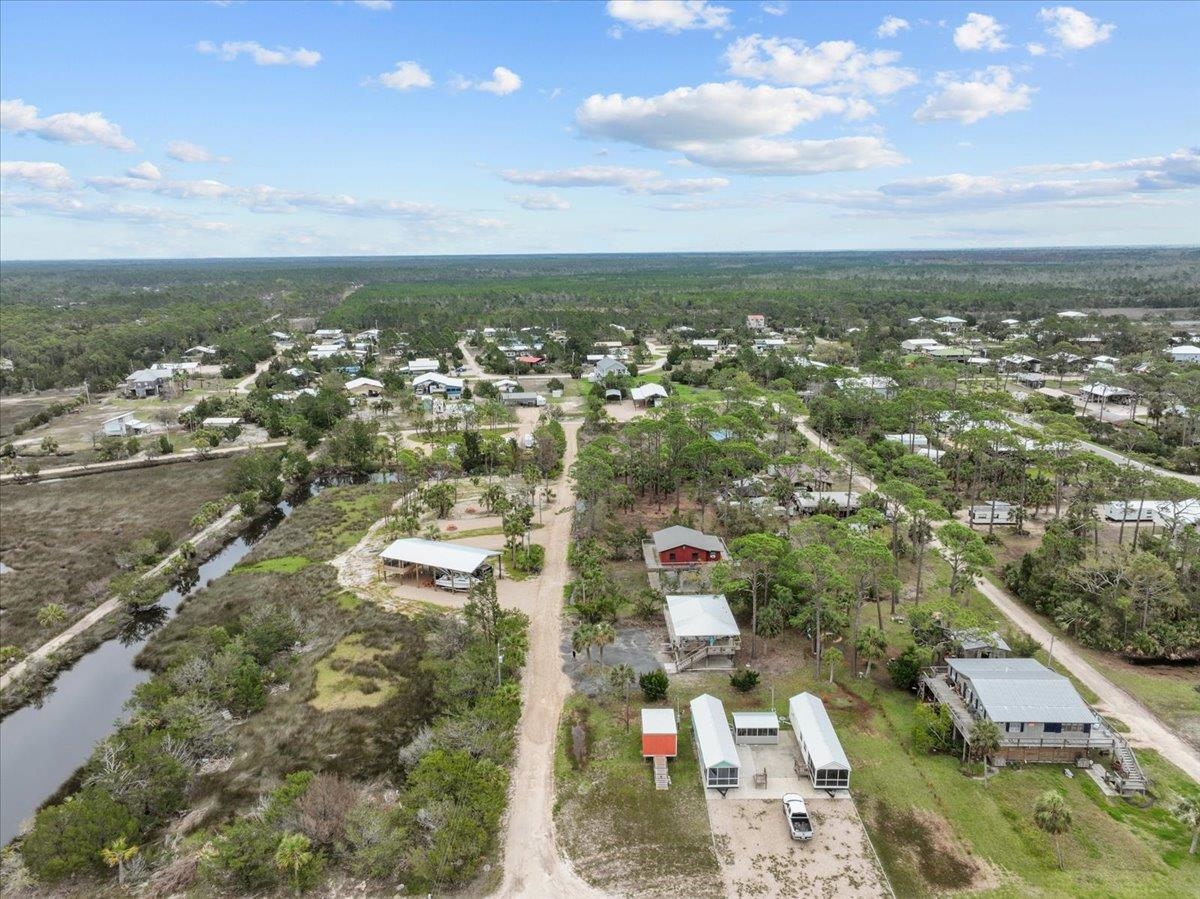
[(454, 567)]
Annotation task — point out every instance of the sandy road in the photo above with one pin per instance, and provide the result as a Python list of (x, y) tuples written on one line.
[(1146, 729), (533, 866)]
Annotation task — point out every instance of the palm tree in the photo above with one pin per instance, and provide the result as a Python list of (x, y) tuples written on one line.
[(984, 741), (1053, 815), (621, 678), (116, 854), (603, 634), (834, 657), (871, 645), (582, 639), (293, 854), (1186, 810)]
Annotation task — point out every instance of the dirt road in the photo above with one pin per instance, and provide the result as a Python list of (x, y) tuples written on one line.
[(532, 864), (1145, 728)]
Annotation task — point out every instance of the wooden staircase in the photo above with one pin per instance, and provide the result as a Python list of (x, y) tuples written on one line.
[(662, 780), (692, 658)]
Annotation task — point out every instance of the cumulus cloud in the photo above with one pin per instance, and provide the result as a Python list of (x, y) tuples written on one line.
[(20, 117), (986, 93), (630, 180), (545, 202), (980, 32), (760, 156), (775, 8), (671, 16), (1074, 29), (374, 5), (729, 125), (891, 26), (262, 56), (73, 207), (1036, 49), (186, 151), (838, 66), (406, 76), (147, 171), (504, 81), (39, 175)]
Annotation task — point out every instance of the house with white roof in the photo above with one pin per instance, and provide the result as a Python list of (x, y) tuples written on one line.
[(650, 394), (821, 752), (605, 366), (420, 366), (433, 382), (720, 767), (951, 322), (1040, 714), (1184, 354), (452, 565), (367, 387), (701, 630)]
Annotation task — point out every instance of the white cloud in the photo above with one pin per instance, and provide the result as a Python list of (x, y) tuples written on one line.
[(544, 202), (891, 26), (263, 198), (980, 32), (404, 77), (147, 171), (839, 66), (1154, 175), (64, 127), (1074, 29), (630, 180), (708, 112), (671, 16), (775, 8), (186, 151), (760, 156), (40, 175), (987, 93), (73, 207), (729, 125), (374, 5), (503, 82), (1036, 49), (262, 56)]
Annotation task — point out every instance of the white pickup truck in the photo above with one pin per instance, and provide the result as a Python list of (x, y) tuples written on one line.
[(796, 813)]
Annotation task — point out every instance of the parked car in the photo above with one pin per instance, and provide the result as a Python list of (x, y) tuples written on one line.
[(796, 813)]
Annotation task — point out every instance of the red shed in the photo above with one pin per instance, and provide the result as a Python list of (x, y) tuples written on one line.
[(679, 545), (659, 736)]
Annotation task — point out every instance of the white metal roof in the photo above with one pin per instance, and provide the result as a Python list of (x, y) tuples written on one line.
[(658, 721), (701, 615), (364, 382), (812, 724), (755, 719), (434, 377), (714, 742), (645, 391), (1023, 690), (437, 554)]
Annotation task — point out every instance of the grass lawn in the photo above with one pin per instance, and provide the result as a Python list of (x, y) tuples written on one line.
[(618, 830), (346, 678), (1168, 691), (60, 538)]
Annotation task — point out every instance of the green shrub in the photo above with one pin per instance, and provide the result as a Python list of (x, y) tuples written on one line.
[(744, 680), (243, 856), (67, 838), (531, 560), (654, 685), (905, 669)]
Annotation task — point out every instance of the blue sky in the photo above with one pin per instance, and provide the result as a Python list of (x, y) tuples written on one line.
[(325, 128)]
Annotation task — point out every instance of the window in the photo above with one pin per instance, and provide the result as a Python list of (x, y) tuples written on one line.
[(1052, 727), (671, 556), (722, 777)]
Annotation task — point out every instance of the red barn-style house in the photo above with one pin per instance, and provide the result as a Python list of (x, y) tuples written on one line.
[(678, 545)]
